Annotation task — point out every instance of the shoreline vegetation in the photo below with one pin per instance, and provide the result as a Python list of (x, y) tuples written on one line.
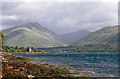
[(20, 67), (11, 49), (67, 49), (26, 52)]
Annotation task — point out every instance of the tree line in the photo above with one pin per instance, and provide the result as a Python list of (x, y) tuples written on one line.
[(4, 48)]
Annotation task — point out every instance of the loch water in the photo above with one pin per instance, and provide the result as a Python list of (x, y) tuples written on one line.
[(104, 64)]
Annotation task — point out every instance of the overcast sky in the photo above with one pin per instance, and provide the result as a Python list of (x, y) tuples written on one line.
[(61, 17)]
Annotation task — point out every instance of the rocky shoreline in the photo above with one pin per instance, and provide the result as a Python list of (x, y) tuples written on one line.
[(14, 66), (19, 67)]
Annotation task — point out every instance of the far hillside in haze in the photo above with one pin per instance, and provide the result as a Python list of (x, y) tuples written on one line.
[(102, 40), (74, 36)]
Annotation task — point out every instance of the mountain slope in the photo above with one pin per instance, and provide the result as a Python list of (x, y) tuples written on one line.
[(31, 34), (74, 36), (107, 36)]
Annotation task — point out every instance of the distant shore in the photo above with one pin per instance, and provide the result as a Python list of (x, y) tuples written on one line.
[(25, 52)]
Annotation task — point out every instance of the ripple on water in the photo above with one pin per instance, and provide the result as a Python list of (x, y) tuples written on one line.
[(106, 62)]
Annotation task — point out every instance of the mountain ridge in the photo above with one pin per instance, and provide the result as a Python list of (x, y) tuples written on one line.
[(31, 34), (74, 36), (106, 35)]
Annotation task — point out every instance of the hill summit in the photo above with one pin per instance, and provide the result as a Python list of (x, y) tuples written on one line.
[(107, 36), (31, 34)]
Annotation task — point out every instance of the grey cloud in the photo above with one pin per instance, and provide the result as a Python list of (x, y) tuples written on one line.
[(10, 5), (62, 17)]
